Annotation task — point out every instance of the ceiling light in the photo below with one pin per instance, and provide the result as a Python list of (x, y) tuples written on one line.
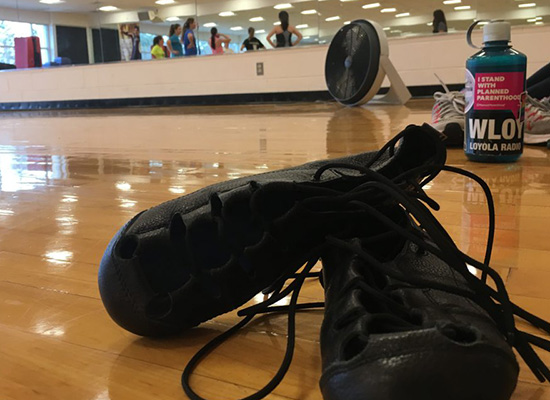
[(207, 25), (483, 23), (260, 31), (108, 8), (164, 2), (172, 19), (461, 8), (532, 20), (525, 5), (236, 28), (52, 1), (347, 1), (430, 24), (395, 31), (386, 28), (539, 23), (388, 10), (256, 19), (309, 12), (371, 5), (306, 37), (226, 14), (277, 23), (302, 26), (452, 1), (335, 18), (282, 6), (402, 15), (347, 22)]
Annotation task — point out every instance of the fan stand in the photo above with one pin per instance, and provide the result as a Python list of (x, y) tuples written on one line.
[(398, 94)]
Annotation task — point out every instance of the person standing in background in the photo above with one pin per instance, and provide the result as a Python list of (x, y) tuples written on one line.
[(217, 40), (157, 52), (174, 44), (283, 32), (440, 22), (252, 43), (189, 42), (136, 42)]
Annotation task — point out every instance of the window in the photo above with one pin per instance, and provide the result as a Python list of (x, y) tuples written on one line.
[(146, 40), (9, 30), (204, 48), (235, 47)]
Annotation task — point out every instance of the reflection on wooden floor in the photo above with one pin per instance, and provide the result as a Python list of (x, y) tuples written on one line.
[(69, 181)]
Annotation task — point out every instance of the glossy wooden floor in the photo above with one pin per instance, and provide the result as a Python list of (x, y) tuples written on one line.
[(69, 181)]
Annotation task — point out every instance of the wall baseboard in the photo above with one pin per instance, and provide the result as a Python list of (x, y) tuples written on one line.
[(225, 99)]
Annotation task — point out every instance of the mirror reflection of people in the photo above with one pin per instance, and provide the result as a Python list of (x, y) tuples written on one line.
[(217, 40), (189, 42), (440, 22), (252, 43), (283, 33), (174, 43), (136, 52), (157, 51)]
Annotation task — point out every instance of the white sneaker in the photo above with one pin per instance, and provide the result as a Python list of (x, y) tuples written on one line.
[(448, 116), (537, 121), (545, 103)]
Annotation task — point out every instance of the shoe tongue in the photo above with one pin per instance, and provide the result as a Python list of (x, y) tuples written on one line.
[(382, 241), (421, 146)]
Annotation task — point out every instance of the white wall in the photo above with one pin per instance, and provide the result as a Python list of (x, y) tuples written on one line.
[(48, 18), (286, 70), (418, 58)]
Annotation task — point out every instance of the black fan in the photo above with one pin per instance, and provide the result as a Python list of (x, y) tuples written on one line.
[(352, 70)]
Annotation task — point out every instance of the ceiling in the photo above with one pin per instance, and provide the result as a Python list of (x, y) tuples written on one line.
[(207, 11)]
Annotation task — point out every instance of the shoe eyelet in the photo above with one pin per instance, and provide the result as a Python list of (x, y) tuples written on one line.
[(159, 306), (419, 251), (353, 347), (460, 334), (177, 228), (127, 246), (216, 205)]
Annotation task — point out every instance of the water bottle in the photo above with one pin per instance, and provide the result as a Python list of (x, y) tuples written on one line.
[(495, 97)]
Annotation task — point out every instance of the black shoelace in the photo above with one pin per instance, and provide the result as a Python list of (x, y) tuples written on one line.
[(495, 302), (406, 192)]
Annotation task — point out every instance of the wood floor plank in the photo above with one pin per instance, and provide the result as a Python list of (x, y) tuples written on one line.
[(70, 180)]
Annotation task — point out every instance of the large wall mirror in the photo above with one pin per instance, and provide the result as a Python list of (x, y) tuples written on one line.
[(79, 32)]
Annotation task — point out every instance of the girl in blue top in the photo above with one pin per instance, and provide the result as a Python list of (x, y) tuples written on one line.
[(174, 44), (189, 42)]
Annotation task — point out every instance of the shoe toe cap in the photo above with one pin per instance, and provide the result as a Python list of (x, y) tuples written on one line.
[(124, 290), (452, 371)]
